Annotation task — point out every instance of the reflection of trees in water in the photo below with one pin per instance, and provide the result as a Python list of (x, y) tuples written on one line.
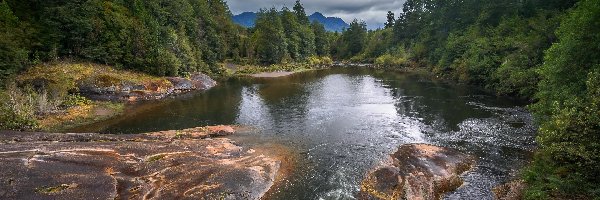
[(439, 105), (212, 107)]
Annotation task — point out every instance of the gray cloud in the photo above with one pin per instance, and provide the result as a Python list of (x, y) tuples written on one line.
[(371, 11)]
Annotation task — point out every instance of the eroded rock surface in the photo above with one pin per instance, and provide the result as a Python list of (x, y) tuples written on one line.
[(124, 91), (416, 171), (183, 164)]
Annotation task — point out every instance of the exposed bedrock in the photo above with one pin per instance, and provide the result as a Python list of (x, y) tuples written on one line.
[(416, 171), (125, 91), (183, 164)]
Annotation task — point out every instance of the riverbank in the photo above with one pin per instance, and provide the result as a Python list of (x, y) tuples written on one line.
[(57, 96), (278, 70)]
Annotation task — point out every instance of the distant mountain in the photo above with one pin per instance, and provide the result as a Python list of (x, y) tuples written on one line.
[(247, 20), (331, 23)]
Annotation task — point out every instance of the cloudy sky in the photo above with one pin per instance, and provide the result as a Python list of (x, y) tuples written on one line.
[(371, 11)]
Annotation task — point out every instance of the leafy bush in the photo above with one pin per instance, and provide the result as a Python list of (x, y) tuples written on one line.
[(388, 60), (17, 109), (75, 100), (568, 107), (319, 61)]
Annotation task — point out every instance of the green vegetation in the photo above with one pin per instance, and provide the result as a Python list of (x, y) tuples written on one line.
[(286, 36), (156, 157), (568, 106), (545, 51), (351, 42), (496, 44), (46, 97), (158, 37), (55, 189)]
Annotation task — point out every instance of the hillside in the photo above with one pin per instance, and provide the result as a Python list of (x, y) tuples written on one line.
[(333, 24)]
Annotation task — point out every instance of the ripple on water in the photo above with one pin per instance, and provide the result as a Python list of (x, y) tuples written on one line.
[(339, 123)]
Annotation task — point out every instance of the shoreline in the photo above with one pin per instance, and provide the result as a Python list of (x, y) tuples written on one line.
[(272, 74)]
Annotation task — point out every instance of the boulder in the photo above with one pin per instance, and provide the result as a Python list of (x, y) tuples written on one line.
[(416, 171), (202, 81), (181, 84), (144, 166)]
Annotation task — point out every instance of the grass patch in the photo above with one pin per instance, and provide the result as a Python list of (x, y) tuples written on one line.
[(155, 158), (62, 78), (310, 64), (80, 115), (55, 189)]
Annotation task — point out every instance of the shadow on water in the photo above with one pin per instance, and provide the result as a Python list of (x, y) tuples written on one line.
[(339, 123)]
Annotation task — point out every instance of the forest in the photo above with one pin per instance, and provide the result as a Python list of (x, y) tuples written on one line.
[(543, 51)]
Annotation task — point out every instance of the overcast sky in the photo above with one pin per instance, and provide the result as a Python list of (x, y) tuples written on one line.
[(371, 11)]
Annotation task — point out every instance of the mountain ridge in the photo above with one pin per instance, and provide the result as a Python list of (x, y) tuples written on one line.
[(333, 24)]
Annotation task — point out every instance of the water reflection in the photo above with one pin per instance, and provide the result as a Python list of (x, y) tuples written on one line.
[(341, 122)]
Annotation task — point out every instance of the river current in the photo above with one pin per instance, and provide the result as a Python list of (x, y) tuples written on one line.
[(336, 124)]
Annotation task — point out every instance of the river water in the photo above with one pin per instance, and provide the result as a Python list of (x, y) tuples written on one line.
[(337, 124)]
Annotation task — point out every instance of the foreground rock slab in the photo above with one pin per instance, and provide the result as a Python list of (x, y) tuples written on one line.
[(164, 165), (416, 171)]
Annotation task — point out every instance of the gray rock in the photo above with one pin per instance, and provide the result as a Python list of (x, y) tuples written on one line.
[(131, 92), (202, 81), (416, 171), (161, 165)]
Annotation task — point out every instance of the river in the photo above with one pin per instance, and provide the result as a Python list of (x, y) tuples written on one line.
[(336, 124)]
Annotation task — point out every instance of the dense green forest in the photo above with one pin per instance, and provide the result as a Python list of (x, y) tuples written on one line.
[(159, 37), (546, 51)]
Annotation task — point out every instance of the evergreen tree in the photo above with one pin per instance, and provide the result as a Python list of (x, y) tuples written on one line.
[(300, 13), (291, 27), (390, 20), (321, 39), (354, 38), (13, 52), (271, 44), (162, 37)]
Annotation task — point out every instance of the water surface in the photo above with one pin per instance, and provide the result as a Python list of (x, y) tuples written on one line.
[(339, 123)]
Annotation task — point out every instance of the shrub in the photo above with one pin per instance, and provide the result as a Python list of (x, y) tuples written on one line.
[(319, 61), (75, 100), (388, 60), (568, 109), (18, 109)]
